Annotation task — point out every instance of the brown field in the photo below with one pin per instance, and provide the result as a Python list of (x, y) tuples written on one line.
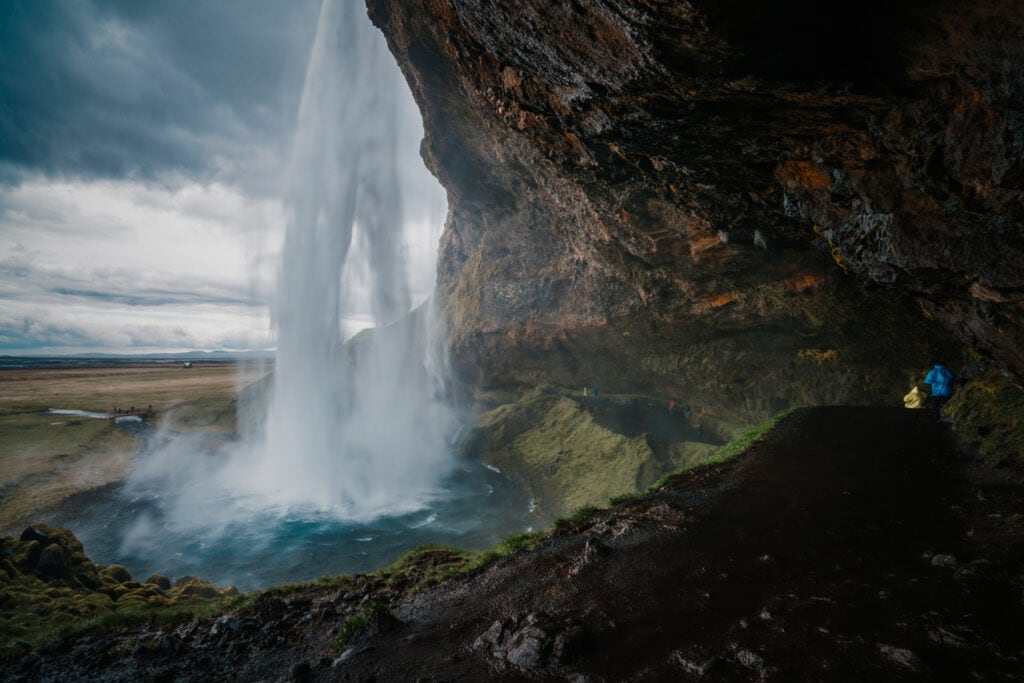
[(46, 458)]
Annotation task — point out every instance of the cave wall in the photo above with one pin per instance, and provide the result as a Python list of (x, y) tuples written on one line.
[(742, 203)]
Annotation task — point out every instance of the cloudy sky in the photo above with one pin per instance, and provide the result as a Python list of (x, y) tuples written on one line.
[(143, 149)]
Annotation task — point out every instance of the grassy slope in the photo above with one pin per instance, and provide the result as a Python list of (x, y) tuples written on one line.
[(566, 459)]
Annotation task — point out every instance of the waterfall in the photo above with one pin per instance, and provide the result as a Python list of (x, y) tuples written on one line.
[(349, 465), (353, 429)]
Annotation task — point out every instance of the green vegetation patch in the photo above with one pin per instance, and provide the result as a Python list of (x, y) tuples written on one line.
[(46, 458), (50, 589), (560, 454), (41, 435), (988, 414)]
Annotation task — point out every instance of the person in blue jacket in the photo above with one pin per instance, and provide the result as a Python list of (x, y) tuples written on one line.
[(940, 379)]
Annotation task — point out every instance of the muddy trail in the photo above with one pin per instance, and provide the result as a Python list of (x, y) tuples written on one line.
[(850, 543)]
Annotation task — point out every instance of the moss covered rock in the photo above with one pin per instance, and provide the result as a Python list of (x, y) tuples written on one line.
[(48, 585), (570, 452), (116, 573)]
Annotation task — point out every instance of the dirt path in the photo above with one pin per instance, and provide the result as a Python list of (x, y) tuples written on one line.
[(842, 548)]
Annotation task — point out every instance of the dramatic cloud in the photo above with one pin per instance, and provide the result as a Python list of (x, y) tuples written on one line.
[(69, 329), (142, 89), (76, 256), (143, 146)]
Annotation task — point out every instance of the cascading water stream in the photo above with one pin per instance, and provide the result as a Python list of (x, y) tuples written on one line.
[(351, 465), (355, 436)]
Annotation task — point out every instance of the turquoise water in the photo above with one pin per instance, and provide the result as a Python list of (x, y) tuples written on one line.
[(476, 508)]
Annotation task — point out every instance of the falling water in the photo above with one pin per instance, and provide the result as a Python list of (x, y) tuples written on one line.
[(356, 430), (351, 465)]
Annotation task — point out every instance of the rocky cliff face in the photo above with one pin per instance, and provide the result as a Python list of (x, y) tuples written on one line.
[(747, 205)]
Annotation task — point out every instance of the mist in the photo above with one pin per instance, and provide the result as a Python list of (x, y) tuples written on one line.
[(352, 429)]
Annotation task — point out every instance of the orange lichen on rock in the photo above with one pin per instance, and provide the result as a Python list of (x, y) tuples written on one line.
[(802, 175), (818, 356), (801, 283), (700, 246), (720, 300)]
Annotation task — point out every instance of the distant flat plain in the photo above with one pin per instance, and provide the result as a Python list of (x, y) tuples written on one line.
[(46, 457)]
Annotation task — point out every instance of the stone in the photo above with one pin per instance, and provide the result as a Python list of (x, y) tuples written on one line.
[(569, 226), (117, 573), (34, 534), (301, 672), (750, 660), (900, 656), (160, 581), (526, 649), (944, 561), (53, 561)]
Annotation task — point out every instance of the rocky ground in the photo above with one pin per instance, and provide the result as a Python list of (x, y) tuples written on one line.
[(850, 543)]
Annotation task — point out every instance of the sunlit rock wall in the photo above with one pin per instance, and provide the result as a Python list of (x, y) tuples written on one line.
[(742, 204)]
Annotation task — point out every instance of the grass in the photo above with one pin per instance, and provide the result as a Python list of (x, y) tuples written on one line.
[(354, 624), (101, 389), (561, 455), (47, 458), (54, 623)]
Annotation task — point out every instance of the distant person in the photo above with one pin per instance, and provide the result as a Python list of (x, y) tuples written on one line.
[(671, 407), (586, 392), (594, 392), (940, 380), (914, 399), (687, 411)]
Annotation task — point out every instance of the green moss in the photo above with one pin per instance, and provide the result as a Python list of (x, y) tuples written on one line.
[(72, 595), (562, 456), (353, 625), (576, 517), (424, 566), (988, 414)]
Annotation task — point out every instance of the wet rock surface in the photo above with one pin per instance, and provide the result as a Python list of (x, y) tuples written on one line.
[(700, 174), (812, 556)]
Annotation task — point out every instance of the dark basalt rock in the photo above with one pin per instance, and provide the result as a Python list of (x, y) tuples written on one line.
[(659, 169)]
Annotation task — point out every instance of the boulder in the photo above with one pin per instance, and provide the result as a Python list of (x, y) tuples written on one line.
[(53, 562), (117, 573), (160, 581)]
